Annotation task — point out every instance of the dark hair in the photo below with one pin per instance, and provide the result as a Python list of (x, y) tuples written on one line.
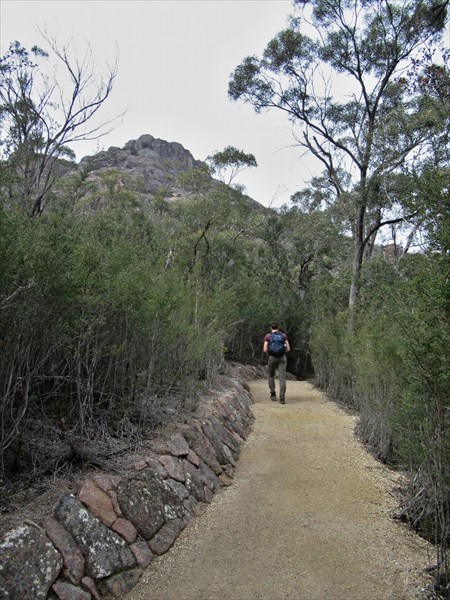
[(274, 325)]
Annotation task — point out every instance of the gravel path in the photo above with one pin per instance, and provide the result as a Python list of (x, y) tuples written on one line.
[(307, 517)]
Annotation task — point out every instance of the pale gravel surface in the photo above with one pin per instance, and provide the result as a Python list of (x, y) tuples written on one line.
[(308, 517)]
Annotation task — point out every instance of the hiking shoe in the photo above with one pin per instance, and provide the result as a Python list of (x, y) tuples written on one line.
[(273, 397), (282, 402)]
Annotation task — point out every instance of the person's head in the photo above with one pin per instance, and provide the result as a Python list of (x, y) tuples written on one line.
[(274, 325)]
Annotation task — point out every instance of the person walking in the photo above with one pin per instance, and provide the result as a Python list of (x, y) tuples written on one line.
[(276, 345)]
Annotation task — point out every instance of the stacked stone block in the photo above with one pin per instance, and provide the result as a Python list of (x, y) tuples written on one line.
[(98, 541)]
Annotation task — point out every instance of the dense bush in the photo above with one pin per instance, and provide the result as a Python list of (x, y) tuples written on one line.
[(395, 370), (112, 319)]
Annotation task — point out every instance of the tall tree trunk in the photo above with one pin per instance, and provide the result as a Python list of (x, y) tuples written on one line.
[(357, 266)]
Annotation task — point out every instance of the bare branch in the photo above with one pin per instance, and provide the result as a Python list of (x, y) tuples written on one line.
[(8, 300)]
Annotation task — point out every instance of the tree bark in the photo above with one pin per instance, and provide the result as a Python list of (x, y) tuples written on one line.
[(357, 265)]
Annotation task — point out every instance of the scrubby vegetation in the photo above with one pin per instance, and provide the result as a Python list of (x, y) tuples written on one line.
[(116, 314), (394, 371), (115, 320), (378, 325)]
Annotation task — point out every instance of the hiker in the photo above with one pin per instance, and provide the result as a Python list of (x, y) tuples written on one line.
[(276, 345)]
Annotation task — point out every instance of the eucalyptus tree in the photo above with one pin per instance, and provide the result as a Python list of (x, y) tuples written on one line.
[(43, 112), (229, 162), (339, 72), (214, 214)]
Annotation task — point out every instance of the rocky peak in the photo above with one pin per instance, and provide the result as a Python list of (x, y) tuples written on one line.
[(156, 163)]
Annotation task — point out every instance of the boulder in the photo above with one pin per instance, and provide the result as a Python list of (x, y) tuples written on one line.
[(212, 481), (98, 502), (225, 435), (148, 503), (178, 488), (234, 421), (30, 564), (173, 466), (156, 466), (203, 447), (195, 483), (125, 529), (72, 556), (142, 554), (104, 551), (222, 451), (193, 458), (122, 583), (166, 536), (67, 591), (89, 586), (178, 446), (105, 481)]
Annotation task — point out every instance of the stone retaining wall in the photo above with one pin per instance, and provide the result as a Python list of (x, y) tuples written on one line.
[(98, 541)]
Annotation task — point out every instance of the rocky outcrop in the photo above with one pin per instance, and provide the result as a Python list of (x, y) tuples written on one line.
[(144, 166), (99, 540), (154, 163)]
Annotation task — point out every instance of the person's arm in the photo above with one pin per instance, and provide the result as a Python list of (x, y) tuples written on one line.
[(266, 346), (288, 348)]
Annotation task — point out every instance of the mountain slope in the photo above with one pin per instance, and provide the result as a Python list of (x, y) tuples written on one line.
[(151, 163)]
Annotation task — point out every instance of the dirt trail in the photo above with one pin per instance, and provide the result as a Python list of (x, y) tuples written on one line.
[(308, 517)]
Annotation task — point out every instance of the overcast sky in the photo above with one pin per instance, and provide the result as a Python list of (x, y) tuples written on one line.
[(175, 60)]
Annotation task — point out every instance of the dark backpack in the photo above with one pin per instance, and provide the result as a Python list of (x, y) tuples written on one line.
[(276, 344)]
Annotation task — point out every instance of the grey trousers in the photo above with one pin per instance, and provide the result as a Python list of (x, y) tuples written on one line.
[(277, 363)]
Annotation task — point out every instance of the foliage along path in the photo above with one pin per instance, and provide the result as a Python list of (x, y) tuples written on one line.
[(308, 516)]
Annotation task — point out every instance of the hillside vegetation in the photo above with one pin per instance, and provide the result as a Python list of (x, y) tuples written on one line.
[(114, 320), (119, 309)]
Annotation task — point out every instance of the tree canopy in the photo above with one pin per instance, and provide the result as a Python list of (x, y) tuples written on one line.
[(339, 72), (41, 116), (229, 162)]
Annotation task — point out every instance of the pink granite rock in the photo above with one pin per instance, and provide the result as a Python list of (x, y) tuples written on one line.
[(173, 466), (142, 553), (122, 583), (106, 482), (178, 446), (113, 495), (88, 584), (67, 591), (193, 458), (225, 479), (98, 502), (125, 529), (72, 556), (139, 465)]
